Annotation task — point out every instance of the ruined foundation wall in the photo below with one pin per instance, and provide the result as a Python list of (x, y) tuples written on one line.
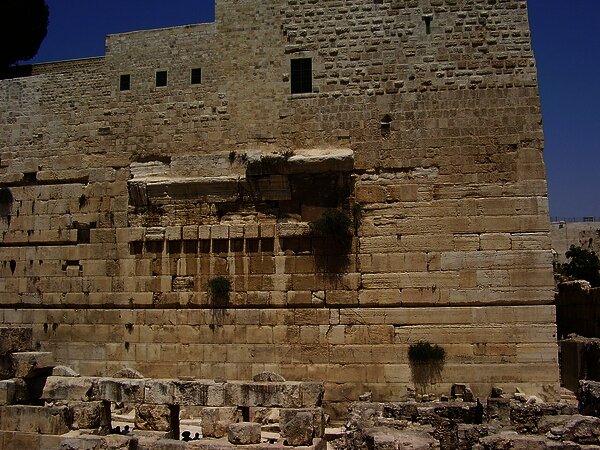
[(120, 206)]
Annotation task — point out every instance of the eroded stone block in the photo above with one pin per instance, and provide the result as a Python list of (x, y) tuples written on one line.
[(153, 417), (36, 419), (244, 433), (118, 390), (89, 415), (68, 388), (216, 421), (15, 339), (29, 364)]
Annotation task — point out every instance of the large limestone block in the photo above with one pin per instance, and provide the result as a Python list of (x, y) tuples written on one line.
[(244, 433), (29, 364), (153, 417), (15, 339), (36, 419), (272, 394), (68, 388), (13, 391), (159, 392), (90, 415), (118, 390), (300, 426), (216, 421)]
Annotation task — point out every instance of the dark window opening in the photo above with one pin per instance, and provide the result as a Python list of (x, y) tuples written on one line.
[(174, 247), (190, 247), (136, 248), (252, 245), (220, 246), (161, 78), (301, 75), (125, 82), (6, 202), (267, 245), (237, 245), (204, 246), (386, 125), (155, 246), (427, 20), (196, 76)]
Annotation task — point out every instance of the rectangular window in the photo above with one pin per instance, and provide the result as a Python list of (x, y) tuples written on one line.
[(161, 78), (125, 82), (301, 75), (197, 76)]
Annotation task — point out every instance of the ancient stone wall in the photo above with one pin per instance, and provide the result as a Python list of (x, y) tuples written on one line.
[(580, 234), (423, 124)]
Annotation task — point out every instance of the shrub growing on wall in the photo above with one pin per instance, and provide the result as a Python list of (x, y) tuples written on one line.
[(218, 290), (426, 364)]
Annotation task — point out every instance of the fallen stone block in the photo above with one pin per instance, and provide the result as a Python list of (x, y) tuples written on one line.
[(589, 398), (13, 391), (300, 426), (118, 390), (90, 415), (160, 392), (68, 388), (190, 393), (461, 391), (312, 394), (154, 417), (128, 373), (244, 433), (7, 392), (15, 339), (30, 364), (216, 421), (35, 419), (77, 440), (63, 371), (579, 429), (383, 438), (271, 394), (271, 377)]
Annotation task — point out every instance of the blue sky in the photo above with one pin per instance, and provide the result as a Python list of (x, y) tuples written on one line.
[(566, 40)]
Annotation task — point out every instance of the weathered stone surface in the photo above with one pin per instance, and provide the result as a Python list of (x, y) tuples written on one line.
[(159, 392), (216, 421), (123, 197), (29, 364), (118, 390), (382, 438), (89, 415), (300, 426), (268, 376), (68, 388), (15, 339), (270, 394), (589, 398), (579, 429), (153, 417), (462, 391), (128, 373), (37, 419), (64, 371), (244, 433)]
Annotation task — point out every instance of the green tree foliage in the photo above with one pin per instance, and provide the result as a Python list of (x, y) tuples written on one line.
[(584, 265), (23, 27)]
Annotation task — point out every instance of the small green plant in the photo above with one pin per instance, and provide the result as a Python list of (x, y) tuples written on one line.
[(218, 289), (333, 225), (426, 364), (584, 265)]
